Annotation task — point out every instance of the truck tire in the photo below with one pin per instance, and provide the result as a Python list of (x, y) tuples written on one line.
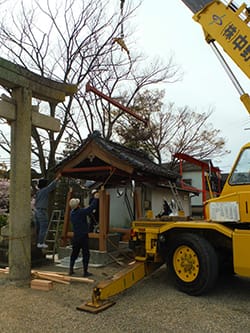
[(194, 264)]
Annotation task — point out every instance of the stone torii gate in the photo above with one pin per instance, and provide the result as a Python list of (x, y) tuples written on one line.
[(24, 85)]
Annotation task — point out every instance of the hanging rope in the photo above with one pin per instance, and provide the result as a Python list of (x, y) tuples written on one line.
[(121, 8), (109, 176), (122, 44), (120, 40)]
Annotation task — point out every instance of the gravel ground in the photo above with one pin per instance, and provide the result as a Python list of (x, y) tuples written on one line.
[(152, 305)]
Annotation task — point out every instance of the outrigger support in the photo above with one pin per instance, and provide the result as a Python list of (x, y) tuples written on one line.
[(119, 282)]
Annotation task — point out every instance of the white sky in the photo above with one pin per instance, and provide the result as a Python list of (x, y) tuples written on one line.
[(166, 28)]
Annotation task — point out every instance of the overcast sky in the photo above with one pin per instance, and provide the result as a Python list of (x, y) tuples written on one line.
[(166, 28)]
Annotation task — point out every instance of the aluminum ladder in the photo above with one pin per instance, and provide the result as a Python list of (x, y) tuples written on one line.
[(176, 197), (52, 235)]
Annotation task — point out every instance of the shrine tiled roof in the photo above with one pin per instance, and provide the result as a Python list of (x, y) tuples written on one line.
[(137, 160)]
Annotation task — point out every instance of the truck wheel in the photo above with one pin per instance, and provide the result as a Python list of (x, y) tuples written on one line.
[(194, 264)]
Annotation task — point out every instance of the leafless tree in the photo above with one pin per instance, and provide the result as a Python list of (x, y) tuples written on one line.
[(171, 130), (77, 41)]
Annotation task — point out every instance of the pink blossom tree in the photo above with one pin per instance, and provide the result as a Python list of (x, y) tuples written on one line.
[(4, 195)]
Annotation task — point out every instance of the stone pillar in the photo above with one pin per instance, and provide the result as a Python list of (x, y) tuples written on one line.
[(20, 192)]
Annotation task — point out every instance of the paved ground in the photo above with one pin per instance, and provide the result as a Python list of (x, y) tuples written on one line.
[(152, 305)]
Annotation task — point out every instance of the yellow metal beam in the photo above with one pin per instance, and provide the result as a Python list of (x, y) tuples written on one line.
[(113, 286), (229, 29)]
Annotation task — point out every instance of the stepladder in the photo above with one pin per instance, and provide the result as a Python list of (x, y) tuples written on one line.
[(53, 232)]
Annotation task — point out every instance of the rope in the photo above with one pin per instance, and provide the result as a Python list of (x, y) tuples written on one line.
[(121, 8), (118, 249), (109, 176), (12, 238), (22, 243), (120, 40)]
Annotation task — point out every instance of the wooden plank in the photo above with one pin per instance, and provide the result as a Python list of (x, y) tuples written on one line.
[(52, 278), (80, 279), (61, 277), (41, 284), (40, 288)]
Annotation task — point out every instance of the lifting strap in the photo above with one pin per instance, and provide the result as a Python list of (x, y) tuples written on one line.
[(120, 40)]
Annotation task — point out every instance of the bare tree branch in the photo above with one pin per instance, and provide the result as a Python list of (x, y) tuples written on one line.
[(74, 41)]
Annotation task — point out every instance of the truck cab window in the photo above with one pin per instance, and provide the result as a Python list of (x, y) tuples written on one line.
[(241, 171)]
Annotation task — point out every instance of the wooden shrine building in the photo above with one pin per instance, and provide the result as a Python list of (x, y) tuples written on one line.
[(111, 165)]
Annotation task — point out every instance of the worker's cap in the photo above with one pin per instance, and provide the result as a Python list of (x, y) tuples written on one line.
[(94, 191), (42, 183), (74, 202)]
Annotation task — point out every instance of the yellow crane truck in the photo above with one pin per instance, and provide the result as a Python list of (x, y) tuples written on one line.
[(196, 251)]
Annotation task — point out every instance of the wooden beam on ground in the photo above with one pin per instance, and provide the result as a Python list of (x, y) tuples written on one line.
[(60, 278), (41, 284), (39, 275)]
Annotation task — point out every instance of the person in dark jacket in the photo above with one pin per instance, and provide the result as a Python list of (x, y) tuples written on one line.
[(41, 208), (80, 228), (166, 209)]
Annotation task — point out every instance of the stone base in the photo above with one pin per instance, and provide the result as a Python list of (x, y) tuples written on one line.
[(97, 259), (65, 262), (100, 258), (64, 252)]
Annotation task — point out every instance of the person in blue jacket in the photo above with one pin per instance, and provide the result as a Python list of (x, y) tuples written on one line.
[(80, 228), (41, 209)]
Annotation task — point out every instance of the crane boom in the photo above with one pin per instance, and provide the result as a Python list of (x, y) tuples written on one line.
[(196, 5), (228, 26)]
